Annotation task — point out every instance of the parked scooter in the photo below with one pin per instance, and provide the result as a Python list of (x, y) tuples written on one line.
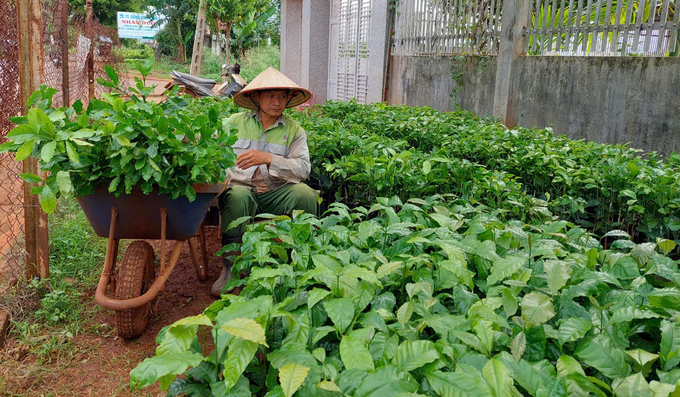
[(199, 87)]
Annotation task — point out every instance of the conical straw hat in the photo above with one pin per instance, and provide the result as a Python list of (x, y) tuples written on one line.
[(271, 79)]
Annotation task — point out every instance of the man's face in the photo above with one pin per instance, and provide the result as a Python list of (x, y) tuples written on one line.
[(273, 102)]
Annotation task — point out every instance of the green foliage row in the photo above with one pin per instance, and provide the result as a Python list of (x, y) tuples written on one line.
[(431, 297), (355, 167), (601, 187), (142, 53)]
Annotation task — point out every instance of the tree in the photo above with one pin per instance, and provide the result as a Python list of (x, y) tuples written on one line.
[(105, 10), (234, 11), (176, 14), (251, 30)]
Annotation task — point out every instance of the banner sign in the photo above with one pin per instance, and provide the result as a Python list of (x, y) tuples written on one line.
[(133, 25)]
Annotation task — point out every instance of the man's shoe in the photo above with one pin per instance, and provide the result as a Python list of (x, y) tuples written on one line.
[(218, 286)]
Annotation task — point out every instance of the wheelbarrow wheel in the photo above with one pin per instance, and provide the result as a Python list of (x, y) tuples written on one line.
[(135, 275)]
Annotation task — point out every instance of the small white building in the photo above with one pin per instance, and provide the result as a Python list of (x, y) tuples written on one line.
[(336, 48)]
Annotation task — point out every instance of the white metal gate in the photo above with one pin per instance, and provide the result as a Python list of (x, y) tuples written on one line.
[(350, 28)]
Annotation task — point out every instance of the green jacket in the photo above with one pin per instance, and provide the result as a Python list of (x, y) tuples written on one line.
[(285, 140)]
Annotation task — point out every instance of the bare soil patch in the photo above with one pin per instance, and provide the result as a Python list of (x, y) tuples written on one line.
[(100, 362)]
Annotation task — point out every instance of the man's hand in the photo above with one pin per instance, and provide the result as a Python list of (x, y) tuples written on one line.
[(252, 158)]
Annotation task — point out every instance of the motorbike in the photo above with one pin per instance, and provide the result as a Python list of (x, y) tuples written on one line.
[(199, 87)]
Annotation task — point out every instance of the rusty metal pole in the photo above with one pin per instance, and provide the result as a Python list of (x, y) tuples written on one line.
[(31, 65), (64, 53), (90, 59)]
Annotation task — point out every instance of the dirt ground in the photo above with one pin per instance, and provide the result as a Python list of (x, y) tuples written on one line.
[(102, 362)]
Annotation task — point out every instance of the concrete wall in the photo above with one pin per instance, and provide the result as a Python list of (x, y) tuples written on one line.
[(429, 81), (314, 65), (603, 99), (291, 39), (304, 44)]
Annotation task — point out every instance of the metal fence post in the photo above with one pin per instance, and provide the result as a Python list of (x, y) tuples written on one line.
[(64, 53), (512, 47), (31, 65), (90, 59)]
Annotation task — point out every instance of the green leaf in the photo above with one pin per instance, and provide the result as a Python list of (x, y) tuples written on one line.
[(484, 332), (71, 152), (405, 312), (152, 151), (180, 335), (427, 167), (320, 354), (386, 381), (498, 377), (518, 346), (247, 329), (111, 73), (22, 134), (341, 312), (617, 233), (354, 353), (526, 375), (328, 262), (114, 184), (662, 389), (573, 329), (389, 268), (537, 308), (625, 268), (413, 355), (238, 221), (154, 368), (48, 200), (600, 353), (667, 298), (670, 345), (25, 150), (47, 151), (329, 385), (632, 386), (630, 313), (46, 125), (642, 252), (558, 273), (567, 365), (57, 115), (458, 384), (64, 182), (316, 295), (641, 356), (505, 267), (239, 355), (31, 178), (122, 141), (666, 246), (291, 377)]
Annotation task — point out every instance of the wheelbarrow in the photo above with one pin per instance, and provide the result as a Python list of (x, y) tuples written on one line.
[(139, 217)]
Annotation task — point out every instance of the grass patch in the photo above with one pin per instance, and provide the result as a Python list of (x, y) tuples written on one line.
[(46, 314)]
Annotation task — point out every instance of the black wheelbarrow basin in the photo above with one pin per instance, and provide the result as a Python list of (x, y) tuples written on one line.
[(139, 214)]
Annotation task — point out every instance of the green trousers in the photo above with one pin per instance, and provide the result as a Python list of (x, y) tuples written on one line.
[(238, 201)]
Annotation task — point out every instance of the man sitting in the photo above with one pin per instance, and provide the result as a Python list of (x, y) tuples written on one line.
[(272, 162)]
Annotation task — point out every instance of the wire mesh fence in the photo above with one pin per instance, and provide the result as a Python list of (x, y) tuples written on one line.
[(68, 44), (12, 253)]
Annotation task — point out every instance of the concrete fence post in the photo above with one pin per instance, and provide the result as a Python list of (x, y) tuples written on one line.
[(512, 46), (31, 64)]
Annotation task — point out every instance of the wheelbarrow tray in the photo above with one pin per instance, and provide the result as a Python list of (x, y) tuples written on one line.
[(139, 213)]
